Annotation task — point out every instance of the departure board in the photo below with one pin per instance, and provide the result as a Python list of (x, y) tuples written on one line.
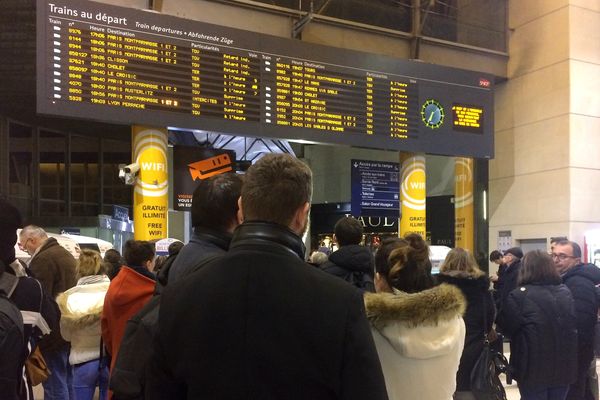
[(121, 65)]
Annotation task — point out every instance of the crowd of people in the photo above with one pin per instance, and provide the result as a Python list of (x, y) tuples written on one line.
[(238, 313)]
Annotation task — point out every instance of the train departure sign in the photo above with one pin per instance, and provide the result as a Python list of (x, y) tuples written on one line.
[(125, 65)]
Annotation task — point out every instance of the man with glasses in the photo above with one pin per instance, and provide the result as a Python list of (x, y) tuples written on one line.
[(54, 267), (581, 279)]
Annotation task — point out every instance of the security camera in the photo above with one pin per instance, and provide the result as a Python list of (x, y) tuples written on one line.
[(132, 168), (128, 173)]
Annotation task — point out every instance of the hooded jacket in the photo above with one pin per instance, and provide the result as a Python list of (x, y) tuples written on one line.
[(81, 308), (126, 295), (419, 339), (352, 263)]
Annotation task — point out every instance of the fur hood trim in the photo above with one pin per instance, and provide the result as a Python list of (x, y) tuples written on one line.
[(429, 307), (82, 306)]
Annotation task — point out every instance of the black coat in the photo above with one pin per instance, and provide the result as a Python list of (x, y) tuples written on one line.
[(582, 280), (540, 321), (507, 282), (204, 243), (354, 264), (480, 306), (260, 323)]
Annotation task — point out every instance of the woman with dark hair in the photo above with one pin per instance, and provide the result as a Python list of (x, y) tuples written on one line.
[(460, 269), (417, 328), (539, 318), (128, 292)]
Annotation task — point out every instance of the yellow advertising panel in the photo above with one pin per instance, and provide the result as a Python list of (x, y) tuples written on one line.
[(412, 194), (463, 203), (150, 199)]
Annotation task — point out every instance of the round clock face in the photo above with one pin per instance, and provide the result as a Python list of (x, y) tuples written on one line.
[(432, 114)]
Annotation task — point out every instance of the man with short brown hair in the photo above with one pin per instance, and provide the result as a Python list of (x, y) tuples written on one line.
[(260, 323)]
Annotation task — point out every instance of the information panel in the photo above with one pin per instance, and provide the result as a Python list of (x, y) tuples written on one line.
[(375, 188), (124, 65)]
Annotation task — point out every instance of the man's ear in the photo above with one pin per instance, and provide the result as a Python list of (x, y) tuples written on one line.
[(240, 212), (300, 217)]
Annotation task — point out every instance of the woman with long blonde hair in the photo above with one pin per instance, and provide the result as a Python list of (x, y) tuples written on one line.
[(461, 270), (81, 308)]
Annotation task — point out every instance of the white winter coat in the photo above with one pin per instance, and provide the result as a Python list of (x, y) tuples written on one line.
[(419, 339), (81, 308)]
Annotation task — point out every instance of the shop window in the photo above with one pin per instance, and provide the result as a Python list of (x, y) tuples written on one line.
[(20, 166)]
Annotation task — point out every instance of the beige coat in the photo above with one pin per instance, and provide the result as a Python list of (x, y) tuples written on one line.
[(81, 308), (419, 339)]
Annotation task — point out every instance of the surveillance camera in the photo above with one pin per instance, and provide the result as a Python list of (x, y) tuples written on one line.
[(132, 168), (128, 173)]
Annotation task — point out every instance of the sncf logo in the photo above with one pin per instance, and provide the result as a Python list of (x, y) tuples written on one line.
[(484, 82)]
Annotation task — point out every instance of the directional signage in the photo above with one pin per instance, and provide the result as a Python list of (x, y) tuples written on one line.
[(375, 188)]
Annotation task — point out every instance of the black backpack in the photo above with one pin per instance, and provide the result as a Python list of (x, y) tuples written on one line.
[(12, 340), (128, 376)]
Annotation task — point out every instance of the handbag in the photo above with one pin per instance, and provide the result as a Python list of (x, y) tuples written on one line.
[(485, 380), (36, 367)]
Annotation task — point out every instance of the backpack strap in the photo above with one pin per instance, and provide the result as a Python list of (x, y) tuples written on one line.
[(8, 308), (8, 283)]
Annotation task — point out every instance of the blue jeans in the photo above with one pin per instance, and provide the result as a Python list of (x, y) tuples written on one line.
[(59, 385), (88, 375), (549, 393)]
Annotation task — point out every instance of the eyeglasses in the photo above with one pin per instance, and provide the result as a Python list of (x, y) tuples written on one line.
[(561, 256), (23, 245)]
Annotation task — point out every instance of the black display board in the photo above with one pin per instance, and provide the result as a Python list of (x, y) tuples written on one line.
[(124, 65)]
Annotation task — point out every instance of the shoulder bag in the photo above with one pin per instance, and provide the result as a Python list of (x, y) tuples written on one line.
[(485, 380)]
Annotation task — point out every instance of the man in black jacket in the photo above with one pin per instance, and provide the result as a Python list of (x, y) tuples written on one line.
[(581, 279), (507, 280), (260, 323), (351, 262), (215, 215)]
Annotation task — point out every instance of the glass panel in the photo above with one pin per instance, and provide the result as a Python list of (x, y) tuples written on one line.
[(52, 173), (85, 175), (115, 191), (52, 208), (391, 14), (481, 23), (20, 143), (476, 23)]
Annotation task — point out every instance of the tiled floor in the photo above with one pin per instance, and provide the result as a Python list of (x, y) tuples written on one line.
[(512, 392)]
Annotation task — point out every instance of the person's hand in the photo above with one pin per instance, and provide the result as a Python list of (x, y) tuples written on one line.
[(494, 278)]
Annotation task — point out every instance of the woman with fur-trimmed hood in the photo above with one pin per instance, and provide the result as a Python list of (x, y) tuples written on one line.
[(81, 309), (417, 327)]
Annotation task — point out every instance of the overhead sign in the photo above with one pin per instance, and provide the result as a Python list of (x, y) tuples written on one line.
[(125, 65), (192, 164), (375, 188)]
